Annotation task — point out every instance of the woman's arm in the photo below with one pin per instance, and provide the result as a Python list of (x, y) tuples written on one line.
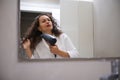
[(69, 47), (29, 53), (26, 46)]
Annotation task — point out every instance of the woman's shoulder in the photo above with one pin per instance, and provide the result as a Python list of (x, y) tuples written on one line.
[(63, 35)]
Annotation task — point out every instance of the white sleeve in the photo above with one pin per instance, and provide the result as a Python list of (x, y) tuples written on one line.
[(70, 48), (35, 55), (32, 57)]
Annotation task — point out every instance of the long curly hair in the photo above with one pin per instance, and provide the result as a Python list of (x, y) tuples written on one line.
[(34, 35)]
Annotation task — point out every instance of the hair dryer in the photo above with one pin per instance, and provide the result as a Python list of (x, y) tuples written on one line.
[(50, 39)]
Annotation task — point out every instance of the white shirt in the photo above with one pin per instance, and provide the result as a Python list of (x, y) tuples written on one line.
[(42, 50)]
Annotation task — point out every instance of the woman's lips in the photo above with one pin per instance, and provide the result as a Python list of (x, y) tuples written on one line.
[(48, 25)]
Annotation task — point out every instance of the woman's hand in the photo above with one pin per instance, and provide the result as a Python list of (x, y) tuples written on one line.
[(57, 51), (54, 49), (26, 44)]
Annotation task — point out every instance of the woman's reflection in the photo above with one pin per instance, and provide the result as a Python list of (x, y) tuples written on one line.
[(37, 47)]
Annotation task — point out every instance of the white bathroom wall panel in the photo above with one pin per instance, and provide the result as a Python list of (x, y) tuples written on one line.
[(107, 28), (77, 22)]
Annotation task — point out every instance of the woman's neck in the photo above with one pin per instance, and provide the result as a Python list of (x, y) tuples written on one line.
[(48, 33)]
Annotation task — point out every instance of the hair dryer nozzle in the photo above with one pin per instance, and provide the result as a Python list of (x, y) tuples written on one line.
[(50, 39)]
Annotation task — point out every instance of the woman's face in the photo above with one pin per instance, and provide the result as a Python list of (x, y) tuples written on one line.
[(45, 24)]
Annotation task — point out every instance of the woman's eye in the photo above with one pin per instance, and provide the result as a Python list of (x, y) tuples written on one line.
[(43, 21), (49, 20)]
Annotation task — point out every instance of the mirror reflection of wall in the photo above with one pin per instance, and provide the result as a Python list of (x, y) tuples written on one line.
[(77, 22), (97, 27), (107, 28)]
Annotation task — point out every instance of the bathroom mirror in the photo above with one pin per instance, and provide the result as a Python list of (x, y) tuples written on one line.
[(93, 29)]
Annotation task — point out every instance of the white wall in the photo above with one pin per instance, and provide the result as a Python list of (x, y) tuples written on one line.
[(86, 28), (12, 69), (107, 28), (77, 22)]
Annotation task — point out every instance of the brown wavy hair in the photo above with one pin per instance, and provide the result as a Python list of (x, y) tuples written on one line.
[(34, 35)]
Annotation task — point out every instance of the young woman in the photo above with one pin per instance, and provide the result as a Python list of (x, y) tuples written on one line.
[(37, 48)]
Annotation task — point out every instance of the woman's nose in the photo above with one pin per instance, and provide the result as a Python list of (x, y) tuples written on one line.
[(47, 22)]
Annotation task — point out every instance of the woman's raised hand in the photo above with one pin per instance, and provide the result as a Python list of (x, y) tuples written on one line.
[(26, 44)]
